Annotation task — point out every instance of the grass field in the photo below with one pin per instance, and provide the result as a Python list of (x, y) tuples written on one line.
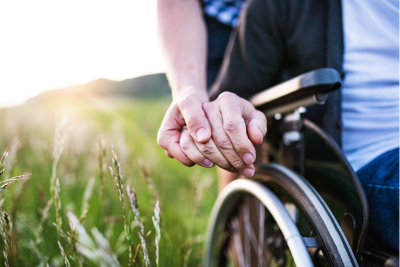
[(31, 232)]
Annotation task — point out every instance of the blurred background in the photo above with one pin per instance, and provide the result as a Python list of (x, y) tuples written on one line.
[(78, 79), (48, 45)]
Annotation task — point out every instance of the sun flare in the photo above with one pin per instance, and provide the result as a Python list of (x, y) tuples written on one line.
[(52, 44)]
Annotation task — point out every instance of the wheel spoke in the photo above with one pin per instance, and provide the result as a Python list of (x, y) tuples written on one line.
[(247, 225), (261, 235), (238, 242), (261, 222)]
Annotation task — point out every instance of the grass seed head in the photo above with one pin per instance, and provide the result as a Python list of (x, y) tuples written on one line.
[(6, 219), (4, 231), (64, 255), (156, 223), (4, 156), (119, 183), (16, 178), (57, 203), (8, 182), (2, 171), (102, 169), (4, 186), (135, 208)]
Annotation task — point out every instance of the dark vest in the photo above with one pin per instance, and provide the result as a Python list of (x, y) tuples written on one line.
[(280, 39)]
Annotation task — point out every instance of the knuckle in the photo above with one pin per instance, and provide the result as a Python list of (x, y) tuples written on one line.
[(185, 145), (205, 148), (223, 142), (231, 125), (226, 96), (193, 120)]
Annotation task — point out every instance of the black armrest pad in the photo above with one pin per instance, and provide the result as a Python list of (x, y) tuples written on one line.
[(308, 84)]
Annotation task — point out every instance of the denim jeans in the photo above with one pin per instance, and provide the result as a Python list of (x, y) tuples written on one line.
[(380, 179)]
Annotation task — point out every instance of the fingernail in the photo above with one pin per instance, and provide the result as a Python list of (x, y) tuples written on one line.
[(248, 173), (201, 134), (248, 158), (208, 163)]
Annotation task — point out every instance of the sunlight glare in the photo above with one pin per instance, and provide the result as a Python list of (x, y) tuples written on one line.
[(52, 44)]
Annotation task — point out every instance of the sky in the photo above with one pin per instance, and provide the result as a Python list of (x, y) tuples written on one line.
[(49, 44)]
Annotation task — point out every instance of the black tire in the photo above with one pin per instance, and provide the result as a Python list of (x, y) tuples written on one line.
[(286, 185)]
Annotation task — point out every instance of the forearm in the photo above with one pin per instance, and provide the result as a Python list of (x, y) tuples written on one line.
[(182, 35)]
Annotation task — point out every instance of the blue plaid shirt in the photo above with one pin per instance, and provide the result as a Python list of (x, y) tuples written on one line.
[(225, 11)]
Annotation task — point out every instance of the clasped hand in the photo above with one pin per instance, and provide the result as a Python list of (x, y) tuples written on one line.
[(222, 132)]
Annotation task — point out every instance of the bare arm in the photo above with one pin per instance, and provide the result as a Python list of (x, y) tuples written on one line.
[(182, 35), (185, 133)]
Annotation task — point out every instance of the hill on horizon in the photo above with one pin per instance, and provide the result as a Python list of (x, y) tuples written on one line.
[(151, 86)]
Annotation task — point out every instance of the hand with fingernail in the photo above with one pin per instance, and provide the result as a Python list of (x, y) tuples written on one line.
[(220, 133), (235, 126), (185, 117), (195, 130)]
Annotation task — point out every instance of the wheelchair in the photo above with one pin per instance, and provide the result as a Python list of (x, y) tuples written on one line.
[(304, 206)]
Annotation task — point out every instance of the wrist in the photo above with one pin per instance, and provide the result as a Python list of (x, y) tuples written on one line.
[(190, 90)]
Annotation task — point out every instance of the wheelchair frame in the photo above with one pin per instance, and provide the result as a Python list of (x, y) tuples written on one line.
[(285, 144)]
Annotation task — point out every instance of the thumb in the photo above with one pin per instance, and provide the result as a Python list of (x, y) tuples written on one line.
[(195, 118), (169, 135), (256, 127)]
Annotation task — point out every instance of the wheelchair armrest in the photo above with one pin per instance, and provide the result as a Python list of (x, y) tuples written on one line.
[(304, 90)]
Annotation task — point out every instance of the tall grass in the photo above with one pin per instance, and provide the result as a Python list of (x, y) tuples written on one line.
[(102, 169), (6, 240), (156, 222), (6, 231), (64, 255), (135, 208), (54, 215), (120, 187)]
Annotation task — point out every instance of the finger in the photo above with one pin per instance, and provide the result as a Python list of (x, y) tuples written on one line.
[(174, 148), (231, 108), (256, 126), (226, 147), (195, 118), (224, 144), (169, 135), (210, 151), (190, 149)]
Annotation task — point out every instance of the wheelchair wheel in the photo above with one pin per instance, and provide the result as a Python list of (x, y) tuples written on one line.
[(251, 226)]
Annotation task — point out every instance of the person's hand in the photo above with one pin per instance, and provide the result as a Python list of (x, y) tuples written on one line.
[(235, 125), (186, 110)]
